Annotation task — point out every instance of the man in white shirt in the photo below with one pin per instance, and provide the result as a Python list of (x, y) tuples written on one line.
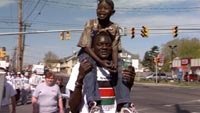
[(102, 47)]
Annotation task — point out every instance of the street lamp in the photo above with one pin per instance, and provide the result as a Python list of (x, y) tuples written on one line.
[(172, 47)]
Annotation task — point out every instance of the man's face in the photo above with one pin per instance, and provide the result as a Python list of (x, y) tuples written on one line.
[(102, 47)]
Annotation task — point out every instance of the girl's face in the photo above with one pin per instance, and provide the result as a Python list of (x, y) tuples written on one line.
[(104, 11), (50, 80)]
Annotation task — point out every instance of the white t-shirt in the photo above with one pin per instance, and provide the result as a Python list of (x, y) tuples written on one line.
[(34, 81), (107, 99), (17, 83), (25, 83)]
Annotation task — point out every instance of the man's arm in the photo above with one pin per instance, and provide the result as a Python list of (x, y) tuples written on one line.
[(76, 97)]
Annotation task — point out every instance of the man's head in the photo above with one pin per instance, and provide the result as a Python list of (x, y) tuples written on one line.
[(102, 45), (105, 9)]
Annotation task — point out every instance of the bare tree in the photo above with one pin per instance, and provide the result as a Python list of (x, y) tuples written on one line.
[(50, 58)]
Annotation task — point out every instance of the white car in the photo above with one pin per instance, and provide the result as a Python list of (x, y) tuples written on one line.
[(149, 77), (160, 76)]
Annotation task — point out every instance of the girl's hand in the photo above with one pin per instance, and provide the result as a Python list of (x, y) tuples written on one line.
[(109, 66)]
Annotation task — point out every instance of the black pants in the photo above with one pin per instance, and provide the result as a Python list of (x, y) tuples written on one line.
[(17, 96)]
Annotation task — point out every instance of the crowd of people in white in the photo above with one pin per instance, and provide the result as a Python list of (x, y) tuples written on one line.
[(24, 84)]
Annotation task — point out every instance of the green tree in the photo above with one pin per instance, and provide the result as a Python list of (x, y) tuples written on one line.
[(186, 48), (148, 58)]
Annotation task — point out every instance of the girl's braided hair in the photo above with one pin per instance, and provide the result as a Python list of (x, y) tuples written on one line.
[(110, 2)]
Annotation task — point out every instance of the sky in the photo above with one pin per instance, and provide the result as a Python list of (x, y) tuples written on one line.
[(44, 15)]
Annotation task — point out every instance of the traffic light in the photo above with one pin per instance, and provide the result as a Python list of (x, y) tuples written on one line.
[(67, 35), (132, 32), (175, 31), (61, 35), (155, 60), (3, 52), (145, 31)]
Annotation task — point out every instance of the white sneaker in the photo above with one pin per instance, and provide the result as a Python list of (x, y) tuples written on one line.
[(94, 108), (130, 109)]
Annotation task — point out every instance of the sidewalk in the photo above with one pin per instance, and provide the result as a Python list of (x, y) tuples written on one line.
[(154, 84), (182, 84)]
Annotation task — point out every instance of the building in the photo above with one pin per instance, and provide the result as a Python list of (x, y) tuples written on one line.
[(186, 65)]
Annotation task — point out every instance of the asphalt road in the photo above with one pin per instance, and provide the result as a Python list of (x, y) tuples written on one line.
[(151, 98)]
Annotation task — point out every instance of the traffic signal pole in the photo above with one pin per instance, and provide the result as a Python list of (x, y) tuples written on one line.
[(156, 66), (155, 60)]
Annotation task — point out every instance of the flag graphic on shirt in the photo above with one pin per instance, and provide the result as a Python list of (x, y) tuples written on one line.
[(107, 93)]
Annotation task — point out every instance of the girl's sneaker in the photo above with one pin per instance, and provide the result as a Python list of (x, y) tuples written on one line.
[(93, 107), (129, 109)]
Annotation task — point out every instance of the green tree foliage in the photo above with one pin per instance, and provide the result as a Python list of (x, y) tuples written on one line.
[(186, 48), (148, 58)]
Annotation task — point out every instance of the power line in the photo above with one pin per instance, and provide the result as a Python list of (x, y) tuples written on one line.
[(39, 13), (38, 32), (77, 30), (32, 10), (143, 9)]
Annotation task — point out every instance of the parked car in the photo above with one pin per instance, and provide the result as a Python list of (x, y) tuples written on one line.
[(160, 76), (170, 77), (191, 77), (149, 76)]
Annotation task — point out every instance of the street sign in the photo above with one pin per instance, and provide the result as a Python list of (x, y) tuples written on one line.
[(161, 60)]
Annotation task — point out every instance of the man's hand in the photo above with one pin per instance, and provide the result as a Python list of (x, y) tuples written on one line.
[(129, 75), (84, 68)]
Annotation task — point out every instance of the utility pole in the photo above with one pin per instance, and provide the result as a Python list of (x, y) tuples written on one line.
[(19, 53), (13, 61), (156, 66), (23, 43)]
